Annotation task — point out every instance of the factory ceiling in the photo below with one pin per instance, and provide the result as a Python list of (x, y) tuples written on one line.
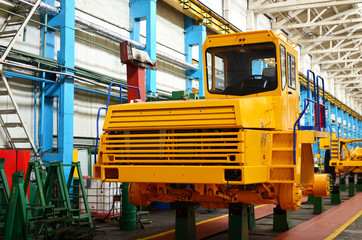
[(329, 30)]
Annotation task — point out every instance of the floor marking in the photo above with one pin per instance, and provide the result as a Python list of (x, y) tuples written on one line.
[(344, 226), (205, 221)]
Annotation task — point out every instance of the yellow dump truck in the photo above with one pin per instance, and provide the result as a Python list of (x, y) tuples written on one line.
[(242, 144), (339, 157)]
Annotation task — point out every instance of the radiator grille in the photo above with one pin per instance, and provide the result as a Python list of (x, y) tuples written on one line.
[(206, 146)]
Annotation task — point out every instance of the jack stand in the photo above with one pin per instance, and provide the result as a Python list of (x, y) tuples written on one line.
[(251, 216), (185, 227), (238, 222), (310, 199), (318, 205), (282, 220), (343, 183), (351, 186), (359, 182), (15, 226), (336, 195), (4, 196)]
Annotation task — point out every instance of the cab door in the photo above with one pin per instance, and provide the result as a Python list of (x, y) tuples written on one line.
[(292, 90)]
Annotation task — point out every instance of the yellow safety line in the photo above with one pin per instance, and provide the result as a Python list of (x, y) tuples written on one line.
[(344, 226), (169, 231)]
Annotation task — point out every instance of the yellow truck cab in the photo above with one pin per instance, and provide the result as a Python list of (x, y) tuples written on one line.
[(235, 146)]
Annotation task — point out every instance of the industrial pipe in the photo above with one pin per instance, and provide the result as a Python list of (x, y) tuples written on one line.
[(85, 25), (43, 7), (119, 38)]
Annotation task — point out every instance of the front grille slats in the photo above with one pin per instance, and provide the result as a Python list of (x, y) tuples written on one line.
[(208, 146)]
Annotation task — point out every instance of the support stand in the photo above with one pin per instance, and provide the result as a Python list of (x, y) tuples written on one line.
[(282, 220), (351, 186), (4, 196), (16, 214), (185, 227), (251, 216), (128, 218), (336, 195), (238, 222), (310, 198), (343, 183), (318, 205), (359, 182)]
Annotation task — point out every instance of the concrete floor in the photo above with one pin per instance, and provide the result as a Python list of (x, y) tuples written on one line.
[(164, 220)]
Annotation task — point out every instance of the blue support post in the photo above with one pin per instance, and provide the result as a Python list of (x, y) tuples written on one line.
[(141, 10), (354, 126), (328, 112), (335, 112), (350, 126), (340, 115), (195, 35), (345, 124), (46, 102), (63, 90)]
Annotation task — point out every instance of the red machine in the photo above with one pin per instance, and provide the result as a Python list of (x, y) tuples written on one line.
[(137, 61)]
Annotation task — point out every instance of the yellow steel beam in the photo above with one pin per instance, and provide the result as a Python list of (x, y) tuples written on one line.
[(203, 15), (330, 98)]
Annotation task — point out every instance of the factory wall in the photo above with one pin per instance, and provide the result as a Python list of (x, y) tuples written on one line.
[(114, 15)]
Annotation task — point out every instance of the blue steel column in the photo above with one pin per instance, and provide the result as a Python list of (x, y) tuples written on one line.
[(145, 10), (345, 127), (328, 117), (64, 89), (334, 111), (46, 102), (340, 115), (195, 35), (350, 128)]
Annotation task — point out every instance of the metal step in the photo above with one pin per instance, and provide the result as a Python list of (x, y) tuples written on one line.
[(14, 23), (13, 125), (8, 111), (10, 32), (20, 140)]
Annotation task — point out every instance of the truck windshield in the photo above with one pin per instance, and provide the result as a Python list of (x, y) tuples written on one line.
[(241, 70)]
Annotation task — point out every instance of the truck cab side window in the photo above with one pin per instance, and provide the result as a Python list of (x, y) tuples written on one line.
[(219, 73), (283, 66), (209, 71), (291, 71)]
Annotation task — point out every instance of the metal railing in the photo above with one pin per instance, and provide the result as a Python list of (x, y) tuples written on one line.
[(319, 108), (120, 85)]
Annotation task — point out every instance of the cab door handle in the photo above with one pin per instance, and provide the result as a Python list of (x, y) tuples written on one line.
[(289, 92)]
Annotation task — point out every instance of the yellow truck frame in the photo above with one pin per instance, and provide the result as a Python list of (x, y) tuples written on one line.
[(231, 147), (343, 160)]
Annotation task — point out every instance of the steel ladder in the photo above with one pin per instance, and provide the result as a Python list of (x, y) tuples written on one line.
[(10, 118)]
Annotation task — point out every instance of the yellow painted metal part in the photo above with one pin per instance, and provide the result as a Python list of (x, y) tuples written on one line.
[(75, 159), (229, 148), (203, 15), (348, 160)]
